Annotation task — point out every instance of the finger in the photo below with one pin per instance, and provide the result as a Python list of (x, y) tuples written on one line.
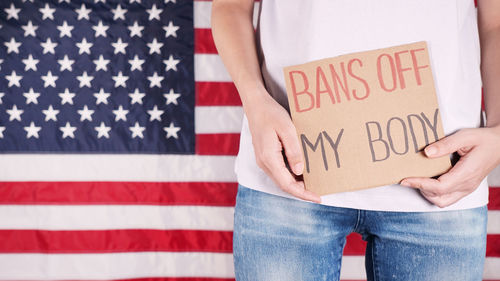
[(444, 200), (290, 141), (450, 144), (428, 185)]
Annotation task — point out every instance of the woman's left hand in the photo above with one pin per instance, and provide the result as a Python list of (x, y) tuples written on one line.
[(479, 150)]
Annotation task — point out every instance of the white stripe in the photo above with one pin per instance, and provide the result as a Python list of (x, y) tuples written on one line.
[(116, 167), (494, 177), (218, 119), (353, 267), (203, 10), (491, 269), (103, 217), (493, 222), (209, 67), (114, 266)]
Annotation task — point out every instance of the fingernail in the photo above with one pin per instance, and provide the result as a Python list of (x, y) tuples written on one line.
[(297, 169), (430, 150), (405, 183)]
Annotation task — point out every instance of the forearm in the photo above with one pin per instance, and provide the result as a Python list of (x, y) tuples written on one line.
[(234, 38)]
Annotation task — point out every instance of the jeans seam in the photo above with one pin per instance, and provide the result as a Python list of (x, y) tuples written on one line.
[(374, 264), (358, 219)]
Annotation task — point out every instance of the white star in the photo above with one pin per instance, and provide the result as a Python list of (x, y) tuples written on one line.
[(30, 63), (118, 13), (67, 1), (136, 29), (173, 1), (67, 97), (155, 114), (66, 64), (85, 80), (65, 29), (13, 46), (171, 97), (31, 96), (14, 113), (100, 29), (102, 97), (154, 13), (84, 46), (1, 132), (12, 12), (32, 130), (102, 131), (120, 114), (97, 1), (154, 47), (47, 12), (132, 1), (49, 80), (68, 131), (50, 113), (136, 63), (120, 80), (136, 97), (83, 12), (171, 63), (171, 29), (48, 46), (1, 96), (14, 79), (171, 130), (85, 113), (137, 130), (155, 80), (1, 61), (119, 46), (101, 64), (29, 29)]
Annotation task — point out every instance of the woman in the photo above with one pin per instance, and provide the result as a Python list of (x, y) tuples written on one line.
[(421, 229)]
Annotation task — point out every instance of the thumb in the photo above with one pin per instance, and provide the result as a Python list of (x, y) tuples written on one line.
[(449, 144), (292, 148)]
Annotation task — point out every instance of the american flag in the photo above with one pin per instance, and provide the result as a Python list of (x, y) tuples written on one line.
[(118, 131)]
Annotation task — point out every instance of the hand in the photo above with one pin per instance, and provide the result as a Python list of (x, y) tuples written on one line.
[(479, 150), (272, 131)]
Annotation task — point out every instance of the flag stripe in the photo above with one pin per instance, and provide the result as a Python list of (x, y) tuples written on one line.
[(217, 144), (493, 245), (209, 67), (494, 198), (493, 222), (216, 93), (118, 193), (218, 119), (203, 10), (203, 41)]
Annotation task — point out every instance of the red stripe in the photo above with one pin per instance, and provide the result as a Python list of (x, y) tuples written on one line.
[(216, 93), (109, 241), (355, 245), (217, 144), (493, 245), (203, 41), (113, 193), (494, 202)]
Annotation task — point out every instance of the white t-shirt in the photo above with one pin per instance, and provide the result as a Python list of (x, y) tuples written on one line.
[(293, 32)]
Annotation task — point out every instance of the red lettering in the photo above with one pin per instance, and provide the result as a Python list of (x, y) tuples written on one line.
[(336, 82), (416, 66), (381, 76), (401, 69), (321, 79), (304, 91), (367, 88)]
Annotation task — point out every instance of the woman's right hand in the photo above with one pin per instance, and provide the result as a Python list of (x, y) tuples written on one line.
[(272, 132)]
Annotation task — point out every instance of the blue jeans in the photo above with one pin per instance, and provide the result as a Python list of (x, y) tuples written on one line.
[(277, 238)]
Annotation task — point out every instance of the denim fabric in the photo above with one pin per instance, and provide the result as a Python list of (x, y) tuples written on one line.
[(277, 238)]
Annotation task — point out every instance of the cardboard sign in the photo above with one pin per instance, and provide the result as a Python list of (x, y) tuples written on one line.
[(363, 119)]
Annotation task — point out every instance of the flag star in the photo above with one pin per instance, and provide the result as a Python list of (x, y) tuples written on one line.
[(50, 113), (171, 30), (85, 113), (83, 12), (102, 131), (31, 96), (65, 29), (30, 63), (49, 80), (1, 132), (154, 47), (1, 96), (48, 46), (119, 46), (97, 1), (100, 29), (136, 63), (154, 13), (66, 63), (85, 80), (101, 64), (132, 1), (84, 46), (102, 97), (32, 130), (155, 114), (173, 1), (120, 80), (136, 97), (67, 1), (155, 80), (1, 61), (118, 13), (120, 114), (14, 113), (68, 131), (29, 29), (136, 29), (47, 12), (171, 63), (67, 97), (12, 12), (13, 46), (14, 79), (136, 130), (171, 130), (171, 97)]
